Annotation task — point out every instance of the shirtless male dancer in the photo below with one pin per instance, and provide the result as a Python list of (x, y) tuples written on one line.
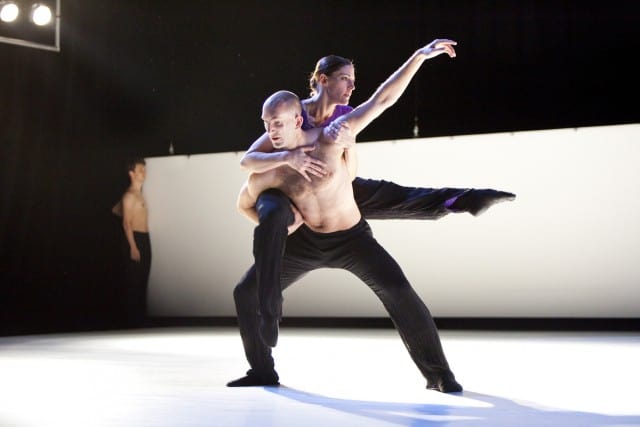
[(333, 235), (136, 230), (332, 83)]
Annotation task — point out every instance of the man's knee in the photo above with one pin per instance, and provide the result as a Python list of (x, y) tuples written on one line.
[(242, 293)]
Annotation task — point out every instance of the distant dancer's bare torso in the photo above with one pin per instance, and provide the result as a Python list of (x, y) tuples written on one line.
[(139, 216)]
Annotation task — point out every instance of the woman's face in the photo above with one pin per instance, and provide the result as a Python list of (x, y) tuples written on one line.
[(340, 84)]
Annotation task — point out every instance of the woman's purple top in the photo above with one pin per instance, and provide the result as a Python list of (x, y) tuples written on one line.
[(337, 112)]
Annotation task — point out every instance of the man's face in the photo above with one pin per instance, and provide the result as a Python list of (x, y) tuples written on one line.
[(281, 123), (340, 84), (139, 173)]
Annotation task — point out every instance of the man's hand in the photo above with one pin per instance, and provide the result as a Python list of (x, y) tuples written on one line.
[(297, 222), (135, 254), (439, 46), (304, 164)]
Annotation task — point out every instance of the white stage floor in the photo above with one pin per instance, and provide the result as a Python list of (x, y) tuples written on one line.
[(330, 377)]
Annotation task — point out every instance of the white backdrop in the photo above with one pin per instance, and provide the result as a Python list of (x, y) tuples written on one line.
[(568, 246)]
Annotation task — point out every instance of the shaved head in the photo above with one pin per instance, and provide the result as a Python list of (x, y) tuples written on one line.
[(284, 98)]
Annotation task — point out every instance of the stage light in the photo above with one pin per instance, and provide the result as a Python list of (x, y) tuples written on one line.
[(31, 23), (41, 14), (9, 11)]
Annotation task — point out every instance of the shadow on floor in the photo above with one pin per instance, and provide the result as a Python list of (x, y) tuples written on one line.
[(496, 412)]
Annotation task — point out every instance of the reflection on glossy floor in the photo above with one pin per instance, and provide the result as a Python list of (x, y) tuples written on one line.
[(330, 377)]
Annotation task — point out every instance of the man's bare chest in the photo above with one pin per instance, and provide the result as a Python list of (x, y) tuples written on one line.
[(295, 185)]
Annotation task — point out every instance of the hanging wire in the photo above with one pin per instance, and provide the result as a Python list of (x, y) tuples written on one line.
[(416, 84)]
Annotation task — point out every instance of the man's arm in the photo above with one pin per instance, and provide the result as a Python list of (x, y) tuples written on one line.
[(261, 157), (391, 90), (117, 209), (128, 206)]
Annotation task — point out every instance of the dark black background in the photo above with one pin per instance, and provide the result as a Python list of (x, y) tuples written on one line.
[(134, 76)]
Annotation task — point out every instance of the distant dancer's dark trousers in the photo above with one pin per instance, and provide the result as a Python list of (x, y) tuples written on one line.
[(137, 279)]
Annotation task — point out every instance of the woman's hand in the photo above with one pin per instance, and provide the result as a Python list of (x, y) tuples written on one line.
[(339, 133), (439, 46)]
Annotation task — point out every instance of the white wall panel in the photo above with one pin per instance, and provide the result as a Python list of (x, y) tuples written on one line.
[(568, 246)]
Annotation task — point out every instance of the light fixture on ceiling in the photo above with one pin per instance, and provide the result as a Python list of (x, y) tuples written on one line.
[(41, 14), (9, 11), (31, 23)]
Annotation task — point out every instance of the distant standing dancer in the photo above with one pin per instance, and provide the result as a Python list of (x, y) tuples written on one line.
[(133, 209)]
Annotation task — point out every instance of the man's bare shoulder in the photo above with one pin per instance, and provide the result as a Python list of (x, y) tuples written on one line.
[(128, 196), (132, 198)]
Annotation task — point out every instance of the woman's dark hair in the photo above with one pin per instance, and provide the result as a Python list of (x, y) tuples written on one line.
[(326, 66)]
